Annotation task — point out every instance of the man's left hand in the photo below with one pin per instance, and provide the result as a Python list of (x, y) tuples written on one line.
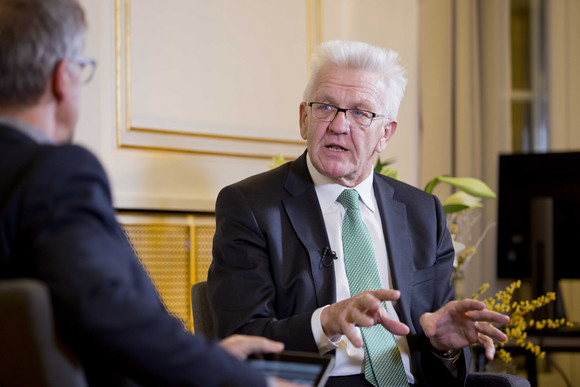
[(242, 346), (461, 323)]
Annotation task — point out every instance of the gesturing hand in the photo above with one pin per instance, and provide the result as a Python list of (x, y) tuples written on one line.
[(241, 346), (461, 323), (362, 310)]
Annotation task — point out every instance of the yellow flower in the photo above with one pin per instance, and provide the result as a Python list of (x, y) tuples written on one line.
[(277, 161), (517, 310)]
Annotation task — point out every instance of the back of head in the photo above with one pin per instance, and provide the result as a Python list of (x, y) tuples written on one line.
[(34, 36), (362, 56)]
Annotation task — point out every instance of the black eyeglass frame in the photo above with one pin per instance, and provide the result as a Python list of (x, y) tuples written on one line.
[(372, 117)]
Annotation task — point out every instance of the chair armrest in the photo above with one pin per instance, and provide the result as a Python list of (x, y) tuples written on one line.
[(484, 379)]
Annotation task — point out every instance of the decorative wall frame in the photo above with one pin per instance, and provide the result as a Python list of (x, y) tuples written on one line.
[(206, 138)]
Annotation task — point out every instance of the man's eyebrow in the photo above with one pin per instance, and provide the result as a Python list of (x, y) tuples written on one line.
[(364, 104), (359, 105)]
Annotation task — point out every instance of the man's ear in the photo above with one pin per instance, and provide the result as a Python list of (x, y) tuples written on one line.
[(388, 131), (303, 124), (61, 79)]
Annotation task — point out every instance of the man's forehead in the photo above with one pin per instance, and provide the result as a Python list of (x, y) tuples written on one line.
[(364, 85)]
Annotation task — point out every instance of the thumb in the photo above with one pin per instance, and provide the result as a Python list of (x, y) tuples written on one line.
[(427, 324)]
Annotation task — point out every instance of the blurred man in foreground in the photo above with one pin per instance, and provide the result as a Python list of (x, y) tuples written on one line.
[(57, 223)]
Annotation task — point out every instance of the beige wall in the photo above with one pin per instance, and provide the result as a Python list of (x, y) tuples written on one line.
[(564, 132), (190, 96), (563, 76)]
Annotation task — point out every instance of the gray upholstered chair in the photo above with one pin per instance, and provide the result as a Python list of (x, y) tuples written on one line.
[(203, 324), (485, 379), (202, 319), (31, 353)]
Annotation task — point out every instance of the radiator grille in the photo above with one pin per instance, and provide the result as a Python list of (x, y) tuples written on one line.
[(174, 256)]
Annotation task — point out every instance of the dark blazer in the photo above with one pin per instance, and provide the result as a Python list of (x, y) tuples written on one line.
[(57, 224), (267, 276)]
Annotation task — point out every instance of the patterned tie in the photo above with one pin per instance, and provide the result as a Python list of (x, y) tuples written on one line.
[(383, 365)]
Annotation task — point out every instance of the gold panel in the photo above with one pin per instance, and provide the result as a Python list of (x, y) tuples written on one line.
[(176, 253), (203, 246), (164, 251)]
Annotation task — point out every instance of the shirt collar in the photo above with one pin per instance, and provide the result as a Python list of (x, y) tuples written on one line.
[(34, 133), (327, 190)]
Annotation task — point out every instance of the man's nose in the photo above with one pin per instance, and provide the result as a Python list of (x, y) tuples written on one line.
[(340, 123)]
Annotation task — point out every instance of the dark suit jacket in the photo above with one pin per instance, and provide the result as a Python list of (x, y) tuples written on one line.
[(57, 224), (267, 277)]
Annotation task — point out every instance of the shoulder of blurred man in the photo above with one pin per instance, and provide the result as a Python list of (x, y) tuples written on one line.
[(40, 181), (31, 161)]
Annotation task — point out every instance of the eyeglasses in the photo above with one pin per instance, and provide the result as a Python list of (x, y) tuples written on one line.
[(88, 67), (327, 113)]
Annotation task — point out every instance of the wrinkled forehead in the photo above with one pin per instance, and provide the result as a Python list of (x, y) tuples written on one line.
[(349, 85)]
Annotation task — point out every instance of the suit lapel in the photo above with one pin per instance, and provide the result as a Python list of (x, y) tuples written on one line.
[(395, 229), (306, 218)]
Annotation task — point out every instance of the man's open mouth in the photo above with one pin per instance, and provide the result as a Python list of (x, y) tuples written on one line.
[(335, 148)]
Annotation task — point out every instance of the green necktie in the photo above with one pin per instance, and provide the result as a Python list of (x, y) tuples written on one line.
[(383, 365)]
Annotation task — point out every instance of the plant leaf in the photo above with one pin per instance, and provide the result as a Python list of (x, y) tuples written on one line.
[(470, 185), (380, 165), (431, 184), (463, 198), (390, 172), (451, 208), (277, 161), (460, 201)]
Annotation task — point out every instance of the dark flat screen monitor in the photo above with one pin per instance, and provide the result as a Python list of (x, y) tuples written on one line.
[(539, 218)]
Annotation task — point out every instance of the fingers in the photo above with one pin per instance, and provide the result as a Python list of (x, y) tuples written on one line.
[(393, 326), (488, 345), (347, 320), (428, 324), (476, 310), (241, 346), (264, 345), (466, 305), (368, 304), (385, 294), (276, 382), (490, 330), (362, 310), (353, 335), (488, 316)]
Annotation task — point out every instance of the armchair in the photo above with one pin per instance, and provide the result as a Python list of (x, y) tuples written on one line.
[(31, 353)]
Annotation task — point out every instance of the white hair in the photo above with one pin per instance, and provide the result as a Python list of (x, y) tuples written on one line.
[(362, 56)]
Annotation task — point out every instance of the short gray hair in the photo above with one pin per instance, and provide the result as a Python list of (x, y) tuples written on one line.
[(362, 56), (35, 35)]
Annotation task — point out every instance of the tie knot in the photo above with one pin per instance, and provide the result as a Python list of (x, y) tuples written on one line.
[(349, 199)]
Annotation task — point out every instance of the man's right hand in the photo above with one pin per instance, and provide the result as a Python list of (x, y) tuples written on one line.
[(362, 310)]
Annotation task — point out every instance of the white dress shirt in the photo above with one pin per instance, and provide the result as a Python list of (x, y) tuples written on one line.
[(349, 359)]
